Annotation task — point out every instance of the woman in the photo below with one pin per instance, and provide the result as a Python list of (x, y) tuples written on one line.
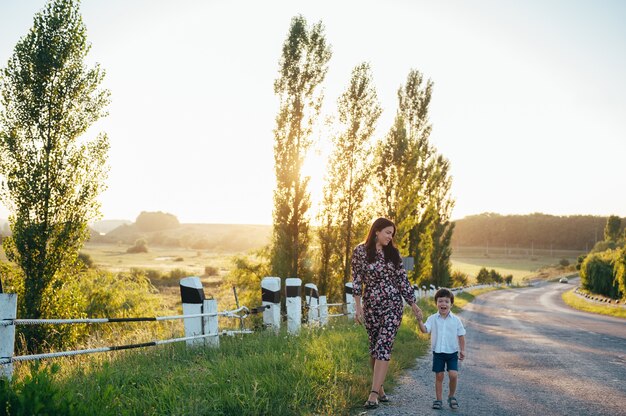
[(380, 282)]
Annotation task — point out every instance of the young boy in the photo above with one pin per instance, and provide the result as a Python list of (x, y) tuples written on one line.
[(447, 338)]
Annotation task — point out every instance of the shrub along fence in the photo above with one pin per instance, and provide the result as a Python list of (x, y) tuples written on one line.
[(200, 317)]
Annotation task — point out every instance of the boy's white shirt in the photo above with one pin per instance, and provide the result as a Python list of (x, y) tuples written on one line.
[(444, 332)]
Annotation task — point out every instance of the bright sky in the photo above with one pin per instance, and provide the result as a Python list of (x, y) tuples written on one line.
[(529, 102)]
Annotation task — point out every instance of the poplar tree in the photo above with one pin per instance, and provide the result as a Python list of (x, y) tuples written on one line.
[(329, 264), (50, 178), (413, 102), (402, 161), (302, 69), (413, 184), (392, 166), (612, 228), (443, 229), (350, 163)]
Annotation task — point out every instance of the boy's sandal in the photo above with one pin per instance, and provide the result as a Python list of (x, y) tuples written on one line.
[(453, 402), (384, 398), (371, 405), (437, 404)]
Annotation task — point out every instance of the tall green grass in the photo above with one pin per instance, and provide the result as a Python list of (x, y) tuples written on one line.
[(320, 371)]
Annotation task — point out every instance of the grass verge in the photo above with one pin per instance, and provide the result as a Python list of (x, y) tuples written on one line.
[(577, 302), (321, 371)]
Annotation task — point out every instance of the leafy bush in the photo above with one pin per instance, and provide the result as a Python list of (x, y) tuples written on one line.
[(178, 274), (150, 273), (620, 272), (489, 276), (140, 247), (458, 279), (603, 246), (89, 293), (211, 271), (483, 276), (63, 300), (246, 276), (12, 278), (564, 262), (494, 276), (85, 259), (119, 295), (597, 273), (579, 261)]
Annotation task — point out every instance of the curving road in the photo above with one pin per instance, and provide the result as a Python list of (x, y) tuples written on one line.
[(527, 354)]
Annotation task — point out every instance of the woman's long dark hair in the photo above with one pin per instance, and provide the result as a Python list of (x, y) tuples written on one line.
[(390, 251)]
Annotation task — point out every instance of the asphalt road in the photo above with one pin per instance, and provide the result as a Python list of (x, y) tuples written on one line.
[(527, 354)]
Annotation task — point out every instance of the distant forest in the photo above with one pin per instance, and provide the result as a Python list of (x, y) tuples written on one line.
[(576, 232), (540, 231)]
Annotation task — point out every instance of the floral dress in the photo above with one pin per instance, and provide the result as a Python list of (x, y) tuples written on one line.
[(381, 286)]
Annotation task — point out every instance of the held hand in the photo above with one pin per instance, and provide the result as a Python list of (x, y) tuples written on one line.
[(417, 311), (358, 316)]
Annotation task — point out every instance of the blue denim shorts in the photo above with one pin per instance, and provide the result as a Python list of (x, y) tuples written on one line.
[(441, 360)]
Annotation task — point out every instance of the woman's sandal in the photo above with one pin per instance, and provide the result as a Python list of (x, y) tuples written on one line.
[(437, 404), (371, 405), (384, 398), (453, 402)]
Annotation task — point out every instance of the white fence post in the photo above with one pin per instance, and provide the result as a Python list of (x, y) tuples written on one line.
[(432, 290), (323, 311), (8, 310), (293, 289), (211, 323), (311, 297), (270, 295), (416, 292), (192, 297), (349, 300)]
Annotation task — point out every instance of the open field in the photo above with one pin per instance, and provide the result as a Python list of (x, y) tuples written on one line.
[(523, 264), (113, 257), (468, 259), (522, 270)]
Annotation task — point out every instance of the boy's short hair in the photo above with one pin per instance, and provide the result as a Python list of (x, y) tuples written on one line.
[(444, 293)]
